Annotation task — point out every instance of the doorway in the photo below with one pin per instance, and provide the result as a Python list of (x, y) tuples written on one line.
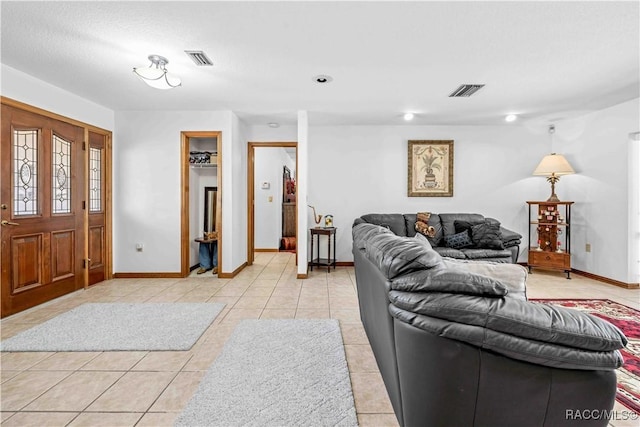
[(271, 197), (200, 166), (55, 206)]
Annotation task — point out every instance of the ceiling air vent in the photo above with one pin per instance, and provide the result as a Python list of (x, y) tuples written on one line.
[(465, 90), (199, 57)]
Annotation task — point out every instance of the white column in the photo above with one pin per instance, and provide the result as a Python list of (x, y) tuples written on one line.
[(302, 185)]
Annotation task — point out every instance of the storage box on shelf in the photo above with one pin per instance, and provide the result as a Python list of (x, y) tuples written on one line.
[(550, 236)]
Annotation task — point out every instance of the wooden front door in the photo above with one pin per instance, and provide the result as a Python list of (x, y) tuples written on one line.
[(41, 209), (97, 207)]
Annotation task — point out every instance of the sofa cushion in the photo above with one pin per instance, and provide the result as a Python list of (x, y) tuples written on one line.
[(535, 321), (395, 255), (487, 235), (363, 231), (473, 253), (459, 240), (510, 238), (450, 280), (395, 222), (513, 276), (532, 351), (449, 252)]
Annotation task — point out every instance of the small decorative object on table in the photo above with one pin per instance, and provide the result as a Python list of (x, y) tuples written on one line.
[(316, 218), (328, 220)]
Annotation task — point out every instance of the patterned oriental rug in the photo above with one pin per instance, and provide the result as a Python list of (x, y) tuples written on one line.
[(627, 320)]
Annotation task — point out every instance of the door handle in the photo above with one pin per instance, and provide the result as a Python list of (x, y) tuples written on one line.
[(5, 222)]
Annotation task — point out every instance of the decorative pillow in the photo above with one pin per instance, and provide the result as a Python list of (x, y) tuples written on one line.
[(422, 224), (423, 239), (459, 240), (460, 225), (487, 235)]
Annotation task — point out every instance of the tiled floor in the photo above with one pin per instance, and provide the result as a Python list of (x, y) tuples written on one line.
[(151, 388)]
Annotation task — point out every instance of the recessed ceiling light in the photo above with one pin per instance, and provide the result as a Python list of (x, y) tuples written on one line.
[(323, 78), (408, 116), (511, 117), (273, 125)]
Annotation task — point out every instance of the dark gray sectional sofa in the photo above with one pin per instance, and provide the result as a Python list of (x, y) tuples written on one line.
[(445, 227), (458, 344)]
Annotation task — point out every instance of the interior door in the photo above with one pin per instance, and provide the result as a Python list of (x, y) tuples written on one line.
[(41, 195), (97, 219)]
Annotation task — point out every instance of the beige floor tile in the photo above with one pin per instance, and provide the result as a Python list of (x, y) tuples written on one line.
[(25, 387), (282, 302), (346, 315), (65, 361), (175, 397), (228, 301), (377, 420), (251, 302), (7, 375), (230, 290), (370, 394), (114, 361), (278, 313), (165, 298), (5, 415), (314, 302), (40, 419), (360, 358), (10, 329), (75, 392), (21, 361), (134, 392), (106, 419), (158, 419), (305, 313), (261, 282), (163, 361), (254, 291), (353, 333), (243, 313)]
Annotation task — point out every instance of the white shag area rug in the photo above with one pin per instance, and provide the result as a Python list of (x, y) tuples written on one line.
[(276, 373), (119, 327)]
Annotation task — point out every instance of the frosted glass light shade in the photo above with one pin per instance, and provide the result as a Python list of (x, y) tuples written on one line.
[(156, 75), (553, 164)]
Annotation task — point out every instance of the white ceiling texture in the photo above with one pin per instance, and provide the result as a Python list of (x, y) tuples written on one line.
[(541, 60)]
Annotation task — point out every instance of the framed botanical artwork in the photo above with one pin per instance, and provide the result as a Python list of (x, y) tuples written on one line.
[(430, 168)]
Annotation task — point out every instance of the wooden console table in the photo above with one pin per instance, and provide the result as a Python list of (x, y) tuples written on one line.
[(316, 261)]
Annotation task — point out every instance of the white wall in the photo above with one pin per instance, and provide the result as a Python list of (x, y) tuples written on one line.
[(354, 170), (22, 87), (236, 179), (147, 187), (598, 147)]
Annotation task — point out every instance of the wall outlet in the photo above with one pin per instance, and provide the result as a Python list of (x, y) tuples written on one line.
[(587, 247), (139, 247)]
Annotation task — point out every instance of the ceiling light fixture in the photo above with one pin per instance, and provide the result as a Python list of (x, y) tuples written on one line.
[(408, 116), (323, 78), (156, 74), (273, 125), (511, 118)]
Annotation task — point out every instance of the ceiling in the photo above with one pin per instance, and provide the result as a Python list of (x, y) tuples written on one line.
[(542, 60)]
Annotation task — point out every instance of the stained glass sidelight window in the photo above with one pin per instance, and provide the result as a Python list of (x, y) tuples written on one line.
[(25, 172), (61, 179), (95, 180)]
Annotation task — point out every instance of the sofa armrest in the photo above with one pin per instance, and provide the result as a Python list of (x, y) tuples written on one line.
[(510, 238)]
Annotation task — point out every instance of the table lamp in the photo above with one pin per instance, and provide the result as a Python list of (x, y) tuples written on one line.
[(553, 166)]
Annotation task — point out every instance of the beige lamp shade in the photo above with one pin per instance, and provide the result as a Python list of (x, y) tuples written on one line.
[(553, 164)]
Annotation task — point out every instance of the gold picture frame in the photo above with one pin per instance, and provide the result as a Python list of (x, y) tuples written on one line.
[(430, 171)]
